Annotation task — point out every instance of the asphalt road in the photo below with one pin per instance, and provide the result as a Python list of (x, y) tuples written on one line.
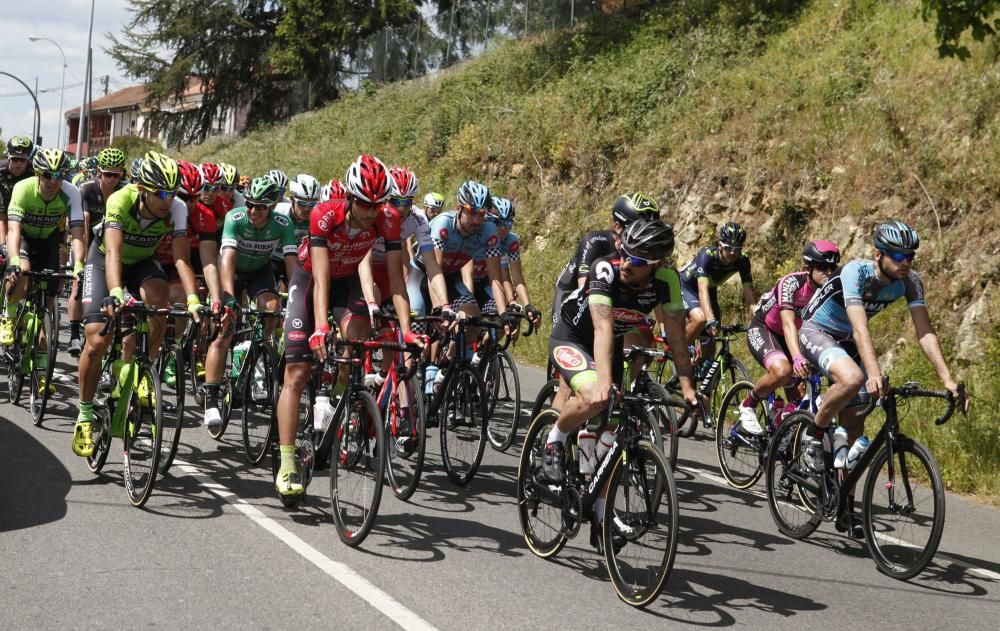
[(214, 548)]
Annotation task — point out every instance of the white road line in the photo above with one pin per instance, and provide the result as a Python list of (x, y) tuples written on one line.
[(340, 572), (941, 555)]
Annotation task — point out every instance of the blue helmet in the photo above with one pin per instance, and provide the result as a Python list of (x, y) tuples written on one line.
[(895, 235), (503, 209), (473, 194)]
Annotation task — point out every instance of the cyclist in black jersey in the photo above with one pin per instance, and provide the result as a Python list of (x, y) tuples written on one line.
[(15, 166)]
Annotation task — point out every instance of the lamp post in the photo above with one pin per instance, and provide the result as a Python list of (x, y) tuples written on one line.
[(62, 84), (38, 111), (86, 87)]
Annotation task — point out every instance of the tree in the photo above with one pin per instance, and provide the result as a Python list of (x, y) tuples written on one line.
[(955, 17), (218, 46)]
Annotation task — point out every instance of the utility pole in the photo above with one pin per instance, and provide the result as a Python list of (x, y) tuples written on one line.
[(105, 81), (86, 86)]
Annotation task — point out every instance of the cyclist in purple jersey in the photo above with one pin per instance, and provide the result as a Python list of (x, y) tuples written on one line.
[(773, 336)]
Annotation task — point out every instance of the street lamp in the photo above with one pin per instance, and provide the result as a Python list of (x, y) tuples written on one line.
[(62, 85)]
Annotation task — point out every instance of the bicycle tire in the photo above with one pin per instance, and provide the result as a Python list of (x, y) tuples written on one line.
[(545, 396), (404, 478), (226, 385), (640, 520), (15, 370), (544, 535), (731, 443), (505, 402), (666, 416), (305, 448), (38, 397), (899, 559), (784, 462), (102, 441), (357, 460), (143, 423), (255, 415), (173, 405), (197, 350), (463, 426)]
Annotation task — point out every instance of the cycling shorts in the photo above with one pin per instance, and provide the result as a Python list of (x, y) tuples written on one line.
[(692, 301), (573, 357), (822, 348), (345, 301), (95, 284), (43, 254), (255, 283), (483, 291), (765, 345)]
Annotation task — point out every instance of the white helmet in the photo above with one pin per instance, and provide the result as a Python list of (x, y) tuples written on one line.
[(278, 177), (304, 187)]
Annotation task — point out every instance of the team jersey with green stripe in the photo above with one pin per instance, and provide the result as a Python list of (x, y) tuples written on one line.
[(141, 236), (254, 246), (39, 218)]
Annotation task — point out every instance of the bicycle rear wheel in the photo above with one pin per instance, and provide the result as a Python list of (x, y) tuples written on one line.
[(463, 426), (143, 435), (406, 428), (38, 396), (197, 347), (538, 510), (503, 386), (793, 492), (102, 440), (172, 388), (257, 405), (665, 414), (741, 454), (357, 468), (904, 509), (641, 512), (545, 397)]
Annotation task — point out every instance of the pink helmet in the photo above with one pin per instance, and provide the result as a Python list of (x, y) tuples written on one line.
[(821, 252)]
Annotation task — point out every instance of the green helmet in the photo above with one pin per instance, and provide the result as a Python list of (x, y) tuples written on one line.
[(20, 147), (50, 160), (263, 190), (111, 158), (158, 172), (89, 165), (230, 176)]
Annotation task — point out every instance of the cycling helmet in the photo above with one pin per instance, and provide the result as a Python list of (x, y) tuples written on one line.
[(50, 160), (190, 176), (133, 169), (821, 253), (159, 172), (651, 240), (895, 235), (404, 183), (503, 209), (434, 200), (333, 190), (20, 147), (89, 165), (305, 188), (111, 158), (263, 190), (230, 176), (732, 234), (367, 179), (473, 194), (634, 206), (211, 173), (278, 177)]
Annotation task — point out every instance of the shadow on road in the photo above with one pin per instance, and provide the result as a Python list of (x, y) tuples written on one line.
[(35, 483)]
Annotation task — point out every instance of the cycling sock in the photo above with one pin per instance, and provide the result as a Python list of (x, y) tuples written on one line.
[(287, 458), (556, 436), (41, 360), (74, 329), (86, 411), (211, 395), (11, 308)]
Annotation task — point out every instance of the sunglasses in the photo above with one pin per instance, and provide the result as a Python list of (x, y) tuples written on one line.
[(256, 206), (899, 257), (401, 202), (110, 174), (504, 223), (360, 203), (15, 159), (226, 189), (469, 210), (164, 195), (637, 261), (53, 175), (825, 267), (299, 202), (732, 249)]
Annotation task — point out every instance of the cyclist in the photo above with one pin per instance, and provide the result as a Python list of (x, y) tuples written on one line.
[(228, 185), (306, 193), (38, 206), (137, 217), (773, 336), (433, 203), (110, 170), (326, 282), (88, 171), (281, 179), (333, 190), (587, 342), (701, 278), (598, 243), (211, 174), (250, 237), (16, 166), (835, 336)]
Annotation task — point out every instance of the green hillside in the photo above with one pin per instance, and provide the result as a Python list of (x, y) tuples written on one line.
[(799, 119)]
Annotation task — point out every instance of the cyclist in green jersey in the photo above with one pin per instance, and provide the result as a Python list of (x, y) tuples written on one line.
[(249, 238), (38, 206), (136, 219)]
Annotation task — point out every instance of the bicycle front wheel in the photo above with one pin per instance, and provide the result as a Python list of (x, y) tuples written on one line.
[(640, 524), (41, 376), (357, 468), (665, 413), (171, 370), (258, 403), (503, 386), (793, 492), (546, 395), (406, 427), (741, 454), (463, 426), (539, 506), (143, 435), (903, 509)]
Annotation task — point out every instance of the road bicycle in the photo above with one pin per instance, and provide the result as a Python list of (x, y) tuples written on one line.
[(714, 378)]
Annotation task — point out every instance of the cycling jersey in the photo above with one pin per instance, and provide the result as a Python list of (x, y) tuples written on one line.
[(328, 226), (510, 250), (254, 246), (708, 264), (39, 218), (92, 199), (630, 305), (221, 207), (791, 293), (459, 249), (592, 246), (412, 226), (202, 227), (8, 180), (857, 284), (141, 236), (301, 228)]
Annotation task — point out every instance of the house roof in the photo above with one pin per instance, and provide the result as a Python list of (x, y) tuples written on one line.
[(133, 96)]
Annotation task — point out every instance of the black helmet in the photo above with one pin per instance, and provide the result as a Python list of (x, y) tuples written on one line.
[(20, 147), (651, 240), (895, 235), (732, 234), (821, 252), (634, 206)]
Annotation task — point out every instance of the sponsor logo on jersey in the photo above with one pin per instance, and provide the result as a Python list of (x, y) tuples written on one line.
[(569, 358), (296, 336), (324, 224), (604, 272), (491, 241), (297, 323), (443, 234), (334, 245), (515, 247), (628, 316)]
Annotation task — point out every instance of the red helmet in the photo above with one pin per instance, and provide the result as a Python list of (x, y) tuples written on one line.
[(368, 180), (191, 179), (404, 183), (211, 173), (333, 190)]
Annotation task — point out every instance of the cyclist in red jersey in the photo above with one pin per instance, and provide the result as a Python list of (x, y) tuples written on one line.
[(210, 193)]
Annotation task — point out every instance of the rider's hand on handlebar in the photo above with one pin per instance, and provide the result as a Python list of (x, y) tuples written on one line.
[(875, 386), (317, 342), (800, 366)]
